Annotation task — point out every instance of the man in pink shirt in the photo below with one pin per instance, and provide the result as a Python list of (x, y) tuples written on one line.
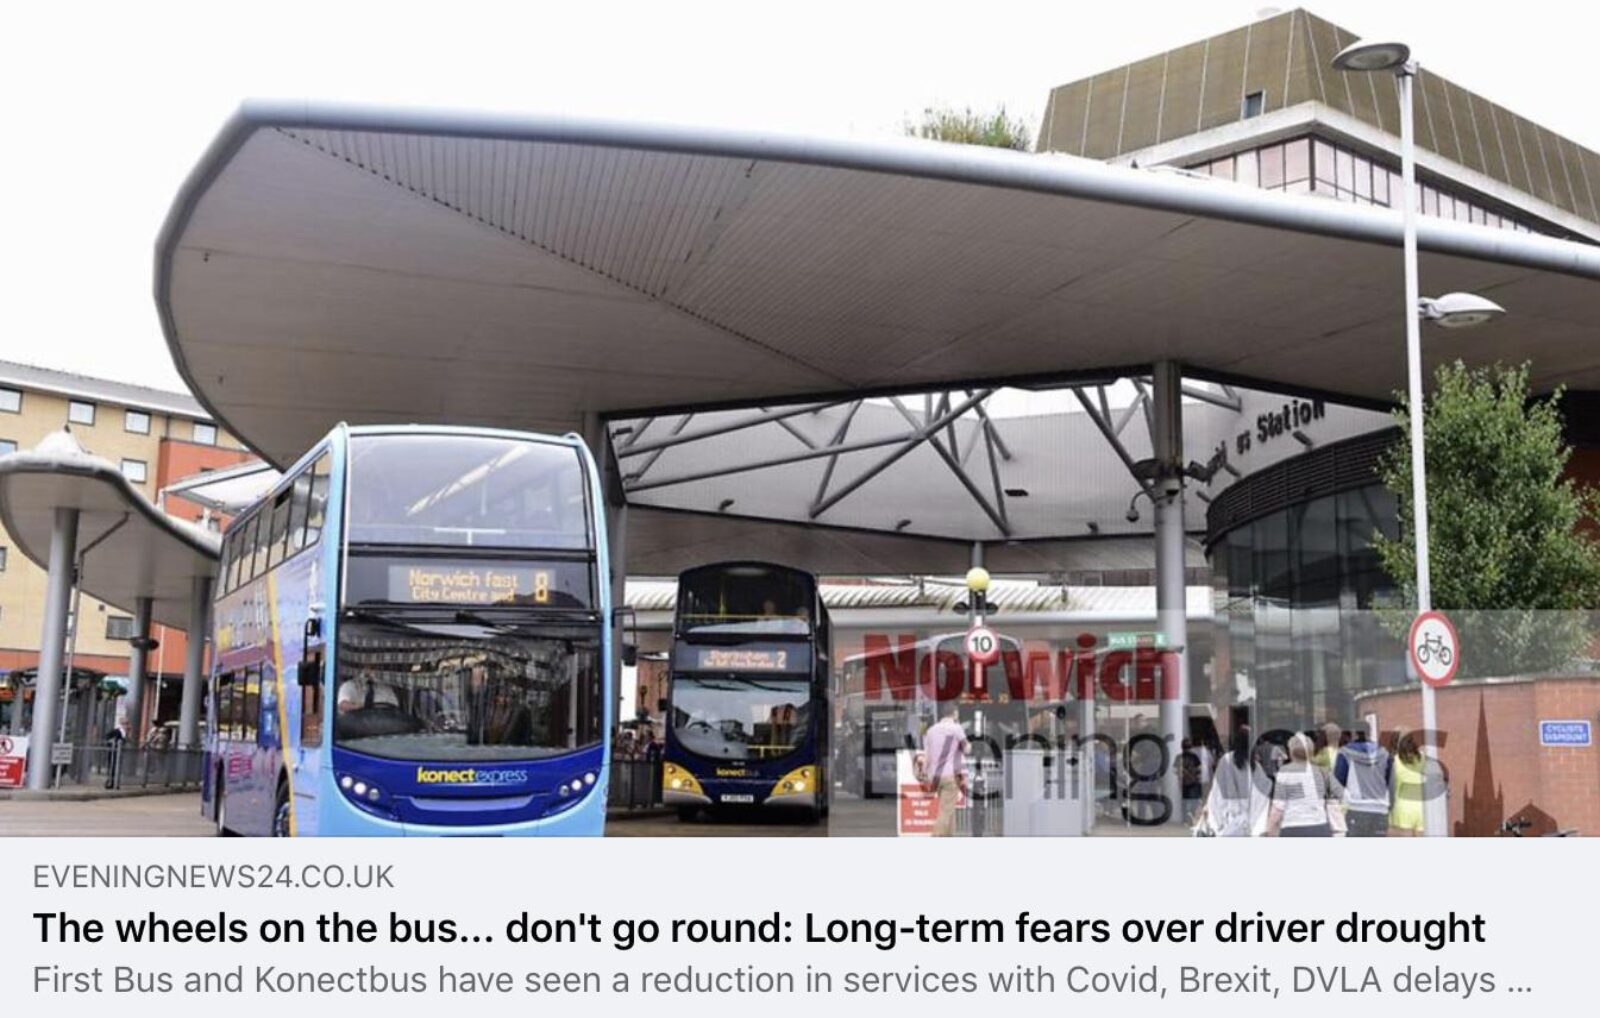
[(944, 752)]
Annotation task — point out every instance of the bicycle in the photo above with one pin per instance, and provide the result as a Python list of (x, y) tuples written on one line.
[(1516, 825), (1431, 645)]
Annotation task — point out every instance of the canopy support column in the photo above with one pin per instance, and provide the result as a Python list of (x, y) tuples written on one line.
[(1171, 595), (615, 505), (52, 647), (138, 667), (194, 663)]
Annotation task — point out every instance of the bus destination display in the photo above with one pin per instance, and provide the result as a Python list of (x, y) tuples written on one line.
[(746, 659), (474, 583)]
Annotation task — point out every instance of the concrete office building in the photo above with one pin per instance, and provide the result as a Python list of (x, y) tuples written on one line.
[(156, 437)]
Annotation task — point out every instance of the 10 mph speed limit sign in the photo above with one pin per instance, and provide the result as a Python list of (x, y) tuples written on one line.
[(1434, 648), (982, 645)]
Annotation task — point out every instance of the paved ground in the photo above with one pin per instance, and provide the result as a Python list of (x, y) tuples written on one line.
[(176, 815)]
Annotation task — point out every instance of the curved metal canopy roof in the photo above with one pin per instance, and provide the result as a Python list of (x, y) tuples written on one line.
[(377, 265), (130, 548)]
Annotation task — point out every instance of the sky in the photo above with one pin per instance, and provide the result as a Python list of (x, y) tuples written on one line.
[(110, 105)]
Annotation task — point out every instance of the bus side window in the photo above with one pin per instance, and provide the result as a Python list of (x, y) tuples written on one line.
[(220, 706), (241, 552), (317, 498), (298, 500), (278, 529), (229, 576), (247, 550), (266, 714), (224, 563), (250, 704), (311, 707)]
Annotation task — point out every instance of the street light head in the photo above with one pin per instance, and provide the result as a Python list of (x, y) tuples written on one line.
[(1372, 56), (1459, 310)]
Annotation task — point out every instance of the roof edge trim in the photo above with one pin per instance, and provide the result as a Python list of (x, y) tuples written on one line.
[(103, 472), (1067, 176)]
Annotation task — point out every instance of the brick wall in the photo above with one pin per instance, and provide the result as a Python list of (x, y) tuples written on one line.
[(1490, 748)]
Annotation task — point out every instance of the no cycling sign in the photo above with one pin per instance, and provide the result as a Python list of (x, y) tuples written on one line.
[(1434, 648)]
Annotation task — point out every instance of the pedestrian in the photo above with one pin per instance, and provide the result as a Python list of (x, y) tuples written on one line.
[(1332, 738), (1408, 785), (1305, 798), (1189, 777), (1366, 771), (1227, 811), (114, 740), (944, 751)]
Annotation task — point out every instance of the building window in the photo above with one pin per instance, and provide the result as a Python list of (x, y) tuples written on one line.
[(10, 401), (135, 471), (136, 421), (1255, 104), (7, 446), (79, 412), (119, 627), (205, 434), (3, 559)]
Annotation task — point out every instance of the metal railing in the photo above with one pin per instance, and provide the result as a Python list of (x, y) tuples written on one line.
[(635, 783), (125, 767)]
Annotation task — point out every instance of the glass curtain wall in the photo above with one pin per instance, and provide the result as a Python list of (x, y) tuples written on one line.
[(1295, 591)]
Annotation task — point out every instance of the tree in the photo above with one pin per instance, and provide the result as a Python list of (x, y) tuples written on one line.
[(1506, 552), (967, 127)]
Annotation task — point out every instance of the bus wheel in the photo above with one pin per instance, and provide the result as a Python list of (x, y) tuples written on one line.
[(280, 812), (688, 813), (219, 808)]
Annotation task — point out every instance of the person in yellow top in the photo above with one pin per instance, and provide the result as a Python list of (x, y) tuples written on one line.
[(1328, 755), (1410, 788)]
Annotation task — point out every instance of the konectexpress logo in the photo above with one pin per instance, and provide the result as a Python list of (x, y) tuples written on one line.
[(480, 777)]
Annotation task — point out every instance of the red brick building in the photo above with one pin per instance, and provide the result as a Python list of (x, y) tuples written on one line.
[(1492, 752)]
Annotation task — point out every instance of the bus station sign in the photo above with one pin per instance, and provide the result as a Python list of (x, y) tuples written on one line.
[(1133, 641)]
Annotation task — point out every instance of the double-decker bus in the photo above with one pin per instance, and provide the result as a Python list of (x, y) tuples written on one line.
[(747, 710), (411, 636)]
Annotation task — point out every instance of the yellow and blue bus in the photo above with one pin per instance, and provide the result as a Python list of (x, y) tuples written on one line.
[(411, 636), (746, 710)]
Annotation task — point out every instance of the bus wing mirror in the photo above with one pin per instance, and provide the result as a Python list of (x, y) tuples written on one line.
[(630, 638), (313, 628)]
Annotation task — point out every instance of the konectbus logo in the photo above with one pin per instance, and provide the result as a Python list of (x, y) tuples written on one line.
[(471, 776)]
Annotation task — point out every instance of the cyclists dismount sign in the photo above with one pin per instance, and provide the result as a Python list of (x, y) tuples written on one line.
[(1434, 648)]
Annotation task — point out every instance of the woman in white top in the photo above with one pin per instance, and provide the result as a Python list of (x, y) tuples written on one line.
[(1229, 807), (1304, 796)]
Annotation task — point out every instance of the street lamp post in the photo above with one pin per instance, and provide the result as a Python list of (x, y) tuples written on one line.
[(1453, 310)]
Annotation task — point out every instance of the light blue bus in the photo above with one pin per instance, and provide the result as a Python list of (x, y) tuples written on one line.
[(411, 636)]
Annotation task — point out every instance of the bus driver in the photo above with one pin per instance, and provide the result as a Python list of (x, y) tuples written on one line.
[(362, 691)]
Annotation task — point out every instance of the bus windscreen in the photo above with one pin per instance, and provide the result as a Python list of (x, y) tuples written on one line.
[(466, 490), (740, 718), (745, 599), (438, 692)]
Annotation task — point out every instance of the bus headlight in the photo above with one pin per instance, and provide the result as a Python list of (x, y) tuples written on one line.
[(797, 782), (359, 789), (676, 779)]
